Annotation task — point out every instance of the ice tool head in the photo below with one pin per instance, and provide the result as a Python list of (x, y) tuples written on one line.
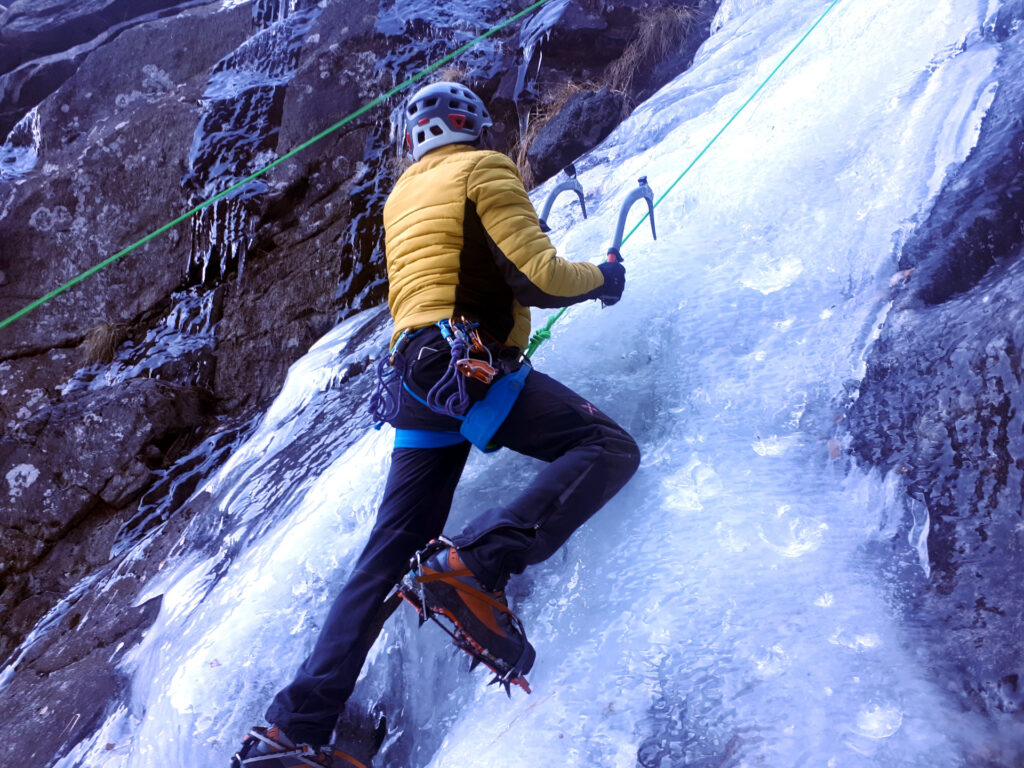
[(443, 113), (643, 192), (571, 183)]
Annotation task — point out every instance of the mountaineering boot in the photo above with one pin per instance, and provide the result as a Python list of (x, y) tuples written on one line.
[(270, 748), (484, 626)]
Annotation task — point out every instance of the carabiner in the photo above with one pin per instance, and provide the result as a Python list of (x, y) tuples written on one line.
[(476, 369)]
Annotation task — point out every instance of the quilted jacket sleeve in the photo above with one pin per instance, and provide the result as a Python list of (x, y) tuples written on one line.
[(523, 253)]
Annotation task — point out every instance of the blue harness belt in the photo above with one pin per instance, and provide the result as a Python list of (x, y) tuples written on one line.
[(481, 421)]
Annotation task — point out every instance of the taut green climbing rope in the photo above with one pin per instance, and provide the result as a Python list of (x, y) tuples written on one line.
[(287, 156), (543, 334)]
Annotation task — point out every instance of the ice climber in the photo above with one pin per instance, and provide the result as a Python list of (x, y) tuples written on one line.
[(466, 257)]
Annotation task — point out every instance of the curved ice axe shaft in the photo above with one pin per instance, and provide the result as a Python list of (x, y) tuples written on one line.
[(572, 183), (642, 191)]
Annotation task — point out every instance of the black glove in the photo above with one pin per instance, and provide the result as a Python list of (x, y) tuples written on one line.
[(614, 281)]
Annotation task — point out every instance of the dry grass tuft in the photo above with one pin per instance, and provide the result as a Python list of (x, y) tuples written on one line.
[(451, 75), (661, 30), (102, 342), (540, 114)]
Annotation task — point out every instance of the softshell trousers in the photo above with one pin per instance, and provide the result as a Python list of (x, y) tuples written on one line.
[(589, 459)]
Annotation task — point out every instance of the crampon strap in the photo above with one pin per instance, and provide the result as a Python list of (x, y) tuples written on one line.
[(451, 578)]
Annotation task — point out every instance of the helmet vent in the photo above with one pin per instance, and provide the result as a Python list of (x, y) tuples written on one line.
[(443, 113)]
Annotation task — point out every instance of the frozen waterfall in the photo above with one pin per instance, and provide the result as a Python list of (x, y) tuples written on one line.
[(727, 608)]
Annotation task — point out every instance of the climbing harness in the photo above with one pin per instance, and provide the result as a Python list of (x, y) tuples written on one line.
[(411, 589), (571, 184), (449, 396), (266, 169)]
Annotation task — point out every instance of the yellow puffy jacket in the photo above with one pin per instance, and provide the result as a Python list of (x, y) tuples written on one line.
[(463, 238)]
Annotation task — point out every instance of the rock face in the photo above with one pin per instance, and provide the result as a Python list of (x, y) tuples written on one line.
[(586, 119), (63, 686), (71, 474), (115, 139), (286, 297), (942, 405), (634, 48), (43, 43)]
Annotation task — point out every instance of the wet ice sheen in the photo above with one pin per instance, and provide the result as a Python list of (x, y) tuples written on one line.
[(721, 610)]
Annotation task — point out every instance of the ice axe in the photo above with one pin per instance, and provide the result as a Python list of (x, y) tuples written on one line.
[(642, 191), (571, 183)]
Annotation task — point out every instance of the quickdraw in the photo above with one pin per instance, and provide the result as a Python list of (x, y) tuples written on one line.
[(464, 331)]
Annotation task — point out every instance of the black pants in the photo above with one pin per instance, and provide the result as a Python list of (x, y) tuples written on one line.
[(590, 457)]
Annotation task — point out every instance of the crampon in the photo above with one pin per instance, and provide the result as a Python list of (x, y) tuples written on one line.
[(411, 589), (267, 747)]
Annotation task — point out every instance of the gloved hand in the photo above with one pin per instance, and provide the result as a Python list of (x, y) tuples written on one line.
[(614, 281)]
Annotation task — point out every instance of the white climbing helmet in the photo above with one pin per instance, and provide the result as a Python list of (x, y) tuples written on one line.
[(443, 113)]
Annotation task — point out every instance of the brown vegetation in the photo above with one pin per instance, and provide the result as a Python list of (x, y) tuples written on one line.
[(661, 30), (540, 114), (102, 342)]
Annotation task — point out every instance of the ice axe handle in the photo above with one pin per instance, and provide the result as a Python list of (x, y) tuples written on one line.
[(571, 184), (642, 192)]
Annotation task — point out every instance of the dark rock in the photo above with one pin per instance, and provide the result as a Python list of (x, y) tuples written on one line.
[(59, 695), (45, 713), (115, 138), (33, 28), (633, 48), (587, 118), (72, 449), (978, 221), (48, 66), (285, 299), (941, 402), (66, 473), (28, 85), (28, 383)]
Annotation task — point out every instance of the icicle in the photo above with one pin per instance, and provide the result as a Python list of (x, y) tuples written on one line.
[(20, 153)]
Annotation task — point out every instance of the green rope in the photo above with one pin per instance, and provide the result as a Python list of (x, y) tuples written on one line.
[(287, 156), (544, 333)]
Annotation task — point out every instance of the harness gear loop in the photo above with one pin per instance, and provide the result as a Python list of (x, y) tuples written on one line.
[(386, 400), (449, 396)]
